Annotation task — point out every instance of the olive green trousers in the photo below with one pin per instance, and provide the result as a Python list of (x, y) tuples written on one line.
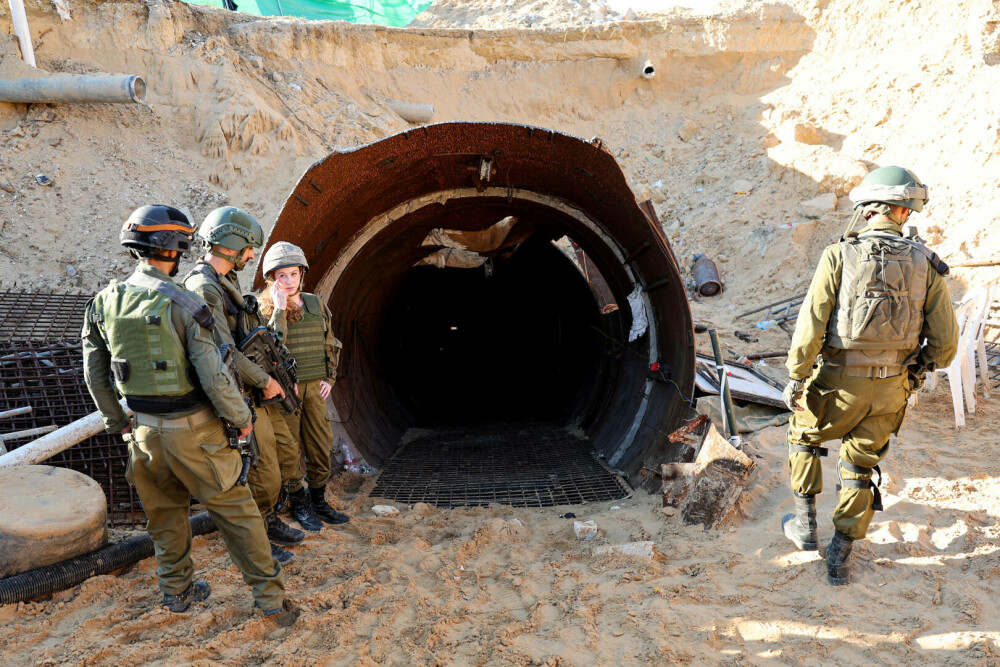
[(312, 428), (862, 412), (172, 460), (264, 479)]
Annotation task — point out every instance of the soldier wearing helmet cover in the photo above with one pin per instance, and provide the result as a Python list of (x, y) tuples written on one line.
[(304, 321), (155, 339), (232, 236), (876, 318)]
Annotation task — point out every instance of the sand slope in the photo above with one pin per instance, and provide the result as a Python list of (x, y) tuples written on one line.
[(795, 100)]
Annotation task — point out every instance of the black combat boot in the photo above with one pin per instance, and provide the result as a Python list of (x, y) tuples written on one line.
[(281, 533), (283, 556), (323, 510), (800, 527), (195, 592), (838, 559), (303, 512)]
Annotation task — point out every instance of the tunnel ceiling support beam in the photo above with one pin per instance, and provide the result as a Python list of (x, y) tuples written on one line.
[(361, 215)]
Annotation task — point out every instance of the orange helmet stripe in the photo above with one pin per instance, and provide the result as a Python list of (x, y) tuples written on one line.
[(162, 228)]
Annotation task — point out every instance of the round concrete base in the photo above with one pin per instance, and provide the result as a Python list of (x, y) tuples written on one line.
[(47, 515)]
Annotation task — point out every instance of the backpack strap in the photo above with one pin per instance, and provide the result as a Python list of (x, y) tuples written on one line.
[(198, 310), (939, 264)]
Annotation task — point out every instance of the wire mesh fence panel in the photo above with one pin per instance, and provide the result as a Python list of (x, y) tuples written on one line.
[(41, 366)]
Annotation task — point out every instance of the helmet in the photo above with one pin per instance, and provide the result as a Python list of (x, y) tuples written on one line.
[(157, 227), (282, 255), (231, 228), (894, 186)]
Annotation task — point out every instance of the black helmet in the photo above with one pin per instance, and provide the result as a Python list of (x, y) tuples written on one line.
[(157, 227)]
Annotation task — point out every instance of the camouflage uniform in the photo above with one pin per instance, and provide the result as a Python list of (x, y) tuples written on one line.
[(178, 446)]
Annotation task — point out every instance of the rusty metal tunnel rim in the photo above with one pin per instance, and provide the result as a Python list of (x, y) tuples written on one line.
[(355, 204)]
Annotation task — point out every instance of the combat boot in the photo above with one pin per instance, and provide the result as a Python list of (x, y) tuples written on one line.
[(284, 616), (303, 512), (800, 527), (283, 556), (196, 592), (281, 533), (323, 510), (838, 559)]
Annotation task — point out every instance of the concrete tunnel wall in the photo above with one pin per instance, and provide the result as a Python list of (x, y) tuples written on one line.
[(361, 216)]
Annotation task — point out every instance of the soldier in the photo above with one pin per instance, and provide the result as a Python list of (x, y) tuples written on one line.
[(232, 236), (879, 314), (305, 323), (155, 338)]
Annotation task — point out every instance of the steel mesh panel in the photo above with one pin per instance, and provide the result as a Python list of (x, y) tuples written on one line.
[(520, 467), (48, 376), (41, 315)]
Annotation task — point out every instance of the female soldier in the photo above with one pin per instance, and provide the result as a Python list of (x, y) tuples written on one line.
[(304, 321)]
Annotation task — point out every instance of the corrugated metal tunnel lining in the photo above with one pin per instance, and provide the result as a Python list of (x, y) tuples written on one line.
[(519, 336)]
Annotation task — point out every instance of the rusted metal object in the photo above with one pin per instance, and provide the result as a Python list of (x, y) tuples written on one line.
[(360, 216), (707, 280), (682, 434)]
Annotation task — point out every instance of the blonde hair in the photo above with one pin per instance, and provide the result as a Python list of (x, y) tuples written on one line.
[(293, 311)]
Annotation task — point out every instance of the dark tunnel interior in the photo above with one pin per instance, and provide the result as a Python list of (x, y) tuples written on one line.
[(514, 339)]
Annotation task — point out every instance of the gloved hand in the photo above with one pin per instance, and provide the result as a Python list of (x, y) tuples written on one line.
[(917, 380), (793, 392)]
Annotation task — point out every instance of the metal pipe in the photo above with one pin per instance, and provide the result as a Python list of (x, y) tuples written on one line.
[(58, 441), (727, 400), (17, 435), (20, 21), (15, 412), (75, 89)]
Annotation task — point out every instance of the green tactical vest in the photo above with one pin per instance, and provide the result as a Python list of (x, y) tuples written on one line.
[(306, 340), (148, 358), (880, 303)]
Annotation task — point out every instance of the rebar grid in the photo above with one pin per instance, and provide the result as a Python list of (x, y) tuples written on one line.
[(48, 376), (520, 466), (41, 315)]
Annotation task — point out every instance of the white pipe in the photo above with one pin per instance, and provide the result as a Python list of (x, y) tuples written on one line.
[(18, 435), (411, 112), (58, 441), (75, 89), (20, 19), (16, 411)]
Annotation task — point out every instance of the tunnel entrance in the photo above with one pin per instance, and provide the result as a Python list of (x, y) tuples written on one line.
[(463, 321), (512, 340)]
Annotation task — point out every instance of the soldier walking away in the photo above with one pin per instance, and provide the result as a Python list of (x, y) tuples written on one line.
[(155, 339), (876, 318), (305, 323), (232, 236)]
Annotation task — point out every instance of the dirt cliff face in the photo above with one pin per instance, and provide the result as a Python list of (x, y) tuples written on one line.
[(760, 119)]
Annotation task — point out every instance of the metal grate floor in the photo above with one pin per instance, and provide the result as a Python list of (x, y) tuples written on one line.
[(519, 465)]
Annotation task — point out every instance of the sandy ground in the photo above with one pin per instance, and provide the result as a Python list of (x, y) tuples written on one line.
[(756, 111), (465, 587)]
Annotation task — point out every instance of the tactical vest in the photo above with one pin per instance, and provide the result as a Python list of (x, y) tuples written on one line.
[(306, 340), (148, 358), (880, 303)]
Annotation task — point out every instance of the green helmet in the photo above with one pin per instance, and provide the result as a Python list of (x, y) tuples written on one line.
[(282, 255), (231, 228), (894, 186)]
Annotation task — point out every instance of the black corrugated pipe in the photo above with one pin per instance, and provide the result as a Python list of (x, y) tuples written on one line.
[(60, 576)]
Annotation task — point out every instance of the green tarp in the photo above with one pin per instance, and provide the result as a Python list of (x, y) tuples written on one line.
[(395, 13)]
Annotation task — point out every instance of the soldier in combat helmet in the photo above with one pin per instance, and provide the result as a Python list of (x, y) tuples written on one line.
[(155, 339), (876, 318), (232, 236)]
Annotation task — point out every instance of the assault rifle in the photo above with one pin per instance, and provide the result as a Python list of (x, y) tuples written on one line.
[(249, 451), (261, 346)]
